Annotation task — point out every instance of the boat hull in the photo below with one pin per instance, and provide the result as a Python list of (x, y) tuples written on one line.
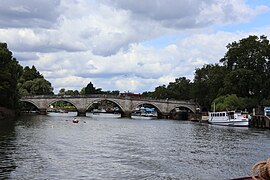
[(143, 117), (236, 124)]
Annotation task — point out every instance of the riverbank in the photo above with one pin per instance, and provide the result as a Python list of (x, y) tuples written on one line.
[(6, 113)]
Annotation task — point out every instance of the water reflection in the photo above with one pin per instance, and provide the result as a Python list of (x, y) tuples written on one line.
[(109, 147), (7, 137)]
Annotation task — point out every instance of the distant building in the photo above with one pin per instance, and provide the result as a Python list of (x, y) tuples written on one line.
[(130, 94)]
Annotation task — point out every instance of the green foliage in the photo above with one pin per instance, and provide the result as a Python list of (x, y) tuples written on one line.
[(227, 102), (115, 93), (82, 91), (10, 70), (178, 90), (30, 74), (240, 82), (160, 92), (68, 92), (63, 105), (90, 89), (208, 83), (33, 83), (249, 67)]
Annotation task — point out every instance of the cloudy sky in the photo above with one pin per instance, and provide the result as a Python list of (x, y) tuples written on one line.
[(126, 45)]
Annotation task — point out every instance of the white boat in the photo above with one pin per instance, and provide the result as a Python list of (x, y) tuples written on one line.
[(228, 118), (144, 116), (144, 113)]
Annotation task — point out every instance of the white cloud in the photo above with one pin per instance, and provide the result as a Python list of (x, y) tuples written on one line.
[(230, 11), (102, 41)]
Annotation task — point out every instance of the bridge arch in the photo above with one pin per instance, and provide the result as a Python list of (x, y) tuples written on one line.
[(62, 100), (181, 112), (28, 106), (181, 106), (31, 102), (105, 99), (149, 103)]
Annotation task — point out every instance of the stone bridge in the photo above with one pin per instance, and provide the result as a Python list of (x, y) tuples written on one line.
[(126, 104)]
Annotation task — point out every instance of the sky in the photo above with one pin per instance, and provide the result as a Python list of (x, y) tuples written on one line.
[(126, 45)]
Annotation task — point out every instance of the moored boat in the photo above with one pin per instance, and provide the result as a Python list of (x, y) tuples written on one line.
[(144, 113), (144, 116), (228, 118)]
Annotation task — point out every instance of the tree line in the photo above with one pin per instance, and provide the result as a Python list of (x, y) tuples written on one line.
[(239, 80)]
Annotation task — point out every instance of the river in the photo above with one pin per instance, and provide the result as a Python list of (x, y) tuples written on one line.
[(108, 147)]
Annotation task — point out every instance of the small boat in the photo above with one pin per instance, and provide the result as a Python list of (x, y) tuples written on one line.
[(75, 120), (229, 118)]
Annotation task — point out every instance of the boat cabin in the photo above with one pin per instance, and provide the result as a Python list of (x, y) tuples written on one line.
[(225, 115)]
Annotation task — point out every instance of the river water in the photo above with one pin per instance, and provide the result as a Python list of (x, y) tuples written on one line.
[(108, 147)]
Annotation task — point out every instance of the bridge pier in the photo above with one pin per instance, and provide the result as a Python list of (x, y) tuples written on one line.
[(43, 111), (163, 116), (81, 113), (126, 114)]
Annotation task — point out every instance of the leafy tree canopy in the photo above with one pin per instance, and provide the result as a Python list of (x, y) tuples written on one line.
[(208, 83), (228, 102), (10, 71), (32, 82), (68, 92), (249, 67), (90, 89), (179, 90)]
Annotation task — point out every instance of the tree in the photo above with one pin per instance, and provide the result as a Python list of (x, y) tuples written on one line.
[(82, 91), (180, 89), (208, 84), (160, 92), (33, 83), (10, 71), (41, 86), (115, 92), (30, 74), (90, 89), (228, 102), (62, 91), (250, 58)]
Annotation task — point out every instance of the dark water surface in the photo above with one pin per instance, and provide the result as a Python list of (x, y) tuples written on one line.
[(106, 147)]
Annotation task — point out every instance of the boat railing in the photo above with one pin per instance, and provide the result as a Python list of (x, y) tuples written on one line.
[(267, 117)]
